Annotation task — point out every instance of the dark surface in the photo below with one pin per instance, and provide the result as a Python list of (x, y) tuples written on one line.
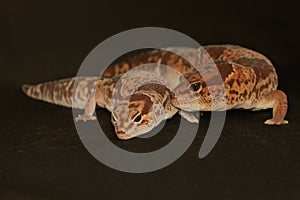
[(41, 155)]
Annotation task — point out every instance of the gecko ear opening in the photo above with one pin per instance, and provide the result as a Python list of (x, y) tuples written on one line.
[(138, 118), (195, 87)]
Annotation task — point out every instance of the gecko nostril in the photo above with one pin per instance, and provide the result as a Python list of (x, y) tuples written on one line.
[(120, 132)]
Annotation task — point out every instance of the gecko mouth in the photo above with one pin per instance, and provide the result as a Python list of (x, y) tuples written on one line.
[(126, 136)]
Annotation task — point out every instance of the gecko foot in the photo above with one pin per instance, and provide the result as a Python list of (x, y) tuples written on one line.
[(85, 118), (192, 117), (276, 122)]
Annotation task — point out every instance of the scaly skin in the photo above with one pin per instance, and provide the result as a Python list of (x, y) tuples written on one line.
[(248, 80), (61, 92), (139, 101), (242, 78)]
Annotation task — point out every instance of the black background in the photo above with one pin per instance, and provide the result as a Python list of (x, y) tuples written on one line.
[(41, 156)]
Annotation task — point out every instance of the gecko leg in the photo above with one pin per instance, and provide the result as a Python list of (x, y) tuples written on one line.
[(88, 111), (279, 108), (190, 116)]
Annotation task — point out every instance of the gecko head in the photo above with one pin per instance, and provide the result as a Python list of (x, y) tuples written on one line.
[(200, 92), (194, 92), (189, 91), (137, 116)]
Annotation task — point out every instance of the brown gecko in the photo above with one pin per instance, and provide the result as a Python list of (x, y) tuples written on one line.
[(249, 79)]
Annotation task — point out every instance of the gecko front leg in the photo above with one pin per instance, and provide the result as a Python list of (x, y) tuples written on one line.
[(88, 110), (101, 97), (279, 108), (192, 117)]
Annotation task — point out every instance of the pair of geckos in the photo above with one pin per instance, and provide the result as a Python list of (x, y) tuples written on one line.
[(212, 78)]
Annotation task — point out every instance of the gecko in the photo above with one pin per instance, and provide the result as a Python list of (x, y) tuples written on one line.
[(138, 101), (249, 79)]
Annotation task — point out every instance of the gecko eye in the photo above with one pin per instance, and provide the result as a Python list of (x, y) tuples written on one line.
[(138, 118), (195, 86)]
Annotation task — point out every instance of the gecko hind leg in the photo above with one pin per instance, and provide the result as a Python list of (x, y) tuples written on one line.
[(279, 108)]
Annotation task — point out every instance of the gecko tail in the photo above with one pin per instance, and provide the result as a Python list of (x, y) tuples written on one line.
[(25, 88), (62, 92)]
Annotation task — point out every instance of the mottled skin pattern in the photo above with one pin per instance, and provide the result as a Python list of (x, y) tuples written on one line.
[(249, 79), (231, 77), (149, 105), (139, 101), (178, 58), (61, 92)]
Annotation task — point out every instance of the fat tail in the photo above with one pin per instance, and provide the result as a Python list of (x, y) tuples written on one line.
[(64, 92)]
